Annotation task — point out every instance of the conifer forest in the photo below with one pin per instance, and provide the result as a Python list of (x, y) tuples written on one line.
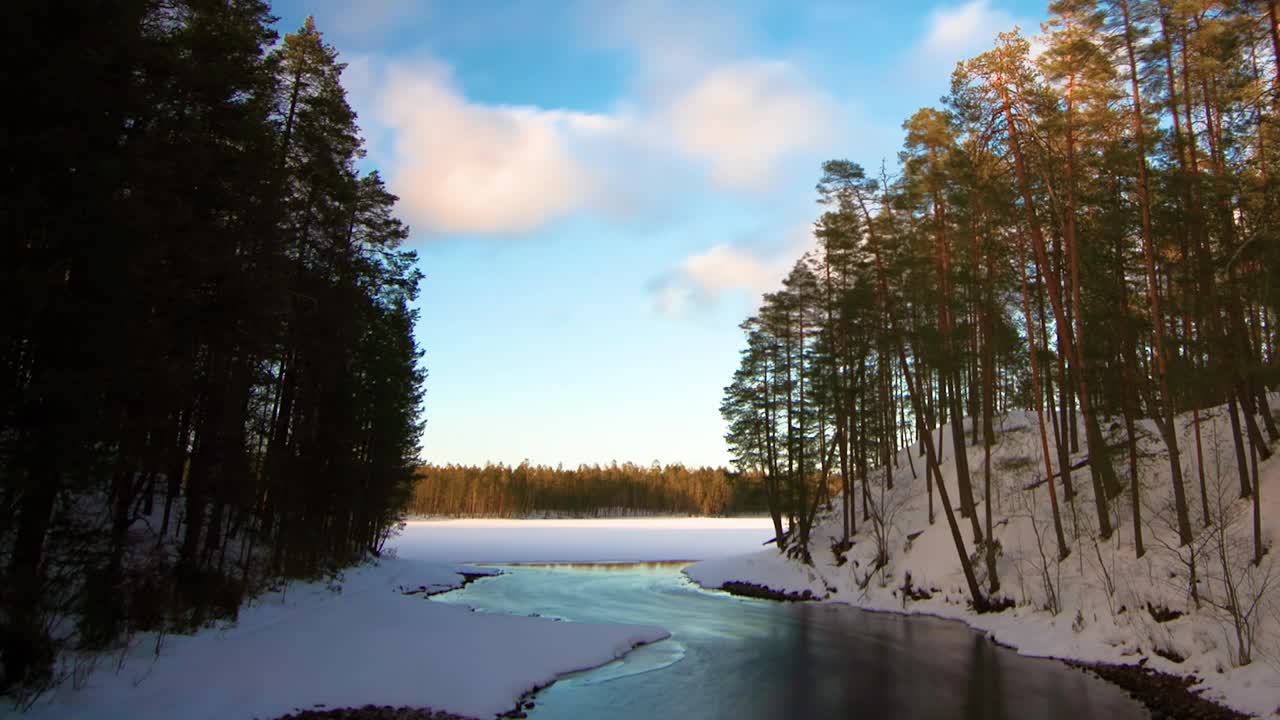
[(1087, 229), (209, 379), (528, 490)]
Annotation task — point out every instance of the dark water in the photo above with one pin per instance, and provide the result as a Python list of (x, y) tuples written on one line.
[(743, 659)]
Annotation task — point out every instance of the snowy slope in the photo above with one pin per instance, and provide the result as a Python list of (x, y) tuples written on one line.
[(1102, 590)]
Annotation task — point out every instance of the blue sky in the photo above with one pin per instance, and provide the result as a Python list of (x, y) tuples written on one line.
[(600, 191)]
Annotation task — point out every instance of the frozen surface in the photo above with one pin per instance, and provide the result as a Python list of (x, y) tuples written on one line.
[(625, 539), (362, 641)]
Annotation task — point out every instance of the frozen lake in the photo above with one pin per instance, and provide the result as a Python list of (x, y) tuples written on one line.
[(739, 658), (605, 540)]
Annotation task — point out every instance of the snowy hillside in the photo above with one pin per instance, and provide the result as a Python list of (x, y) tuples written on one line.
[(1101, 603)]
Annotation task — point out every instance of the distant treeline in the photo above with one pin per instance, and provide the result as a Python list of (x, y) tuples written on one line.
[(209, 383), (585, 491)]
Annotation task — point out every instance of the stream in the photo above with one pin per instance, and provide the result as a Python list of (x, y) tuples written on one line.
[(731, 657)]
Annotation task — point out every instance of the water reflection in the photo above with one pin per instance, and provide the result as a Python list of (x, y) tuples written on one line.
[(740, 658)]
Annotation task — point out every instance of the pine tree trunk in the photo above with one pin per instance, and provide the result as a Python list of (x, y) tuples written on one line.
[(1274, 27), (1258, 548), (1105, 483), (1192, 241), (1076, 310), (1133, 390), (980, 603), (1237, 437), (1168, 424), (26, 648), (1063, 549), (988, 437), (949, 374)]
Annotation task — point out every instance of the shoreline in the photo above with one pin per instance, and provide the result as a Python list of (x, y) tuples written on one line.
[(525, 702), (372, 712), (763, 592), (1166, 695), (428, 591)]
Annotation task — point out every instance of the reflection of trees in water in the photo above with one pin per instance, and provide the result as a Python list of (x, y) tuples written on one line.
[(986, 696)]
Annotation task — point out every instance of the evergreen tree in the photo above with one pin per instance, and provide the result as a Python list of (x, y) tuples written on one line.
[(211, 381)]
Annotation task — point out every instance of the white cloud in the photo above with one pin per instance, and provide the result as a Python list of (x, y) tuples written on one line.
[(467, 167), (700, 279), (955, 31), (740, 117), (745, 118), (460, 166), (673, 300), (726, 267)]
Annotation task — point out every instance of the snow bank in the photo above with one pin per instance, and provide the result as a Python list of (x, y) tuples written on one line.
[(761, 568), (1101, 604), (359, 642)]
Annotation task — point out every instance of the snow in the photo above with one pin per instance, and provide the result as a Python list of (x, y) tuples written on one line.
[(1102, 589), (360, 640), (571, 540)]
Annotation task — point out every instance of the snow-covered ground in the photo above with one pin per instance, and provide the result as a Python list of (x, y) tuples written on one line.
[(1103, 594), (361, 640)]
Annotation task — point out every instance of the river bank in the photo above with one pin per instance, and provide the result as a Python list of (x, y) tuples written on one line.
[(1165, 694), (1102, 605)]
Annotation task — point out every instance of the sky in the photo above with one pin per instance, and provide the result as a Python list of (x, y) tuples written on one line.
[(599, 191)]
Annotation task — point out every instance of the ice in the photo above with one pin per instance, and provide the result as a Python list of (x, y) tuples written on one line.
[(567, 540)]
